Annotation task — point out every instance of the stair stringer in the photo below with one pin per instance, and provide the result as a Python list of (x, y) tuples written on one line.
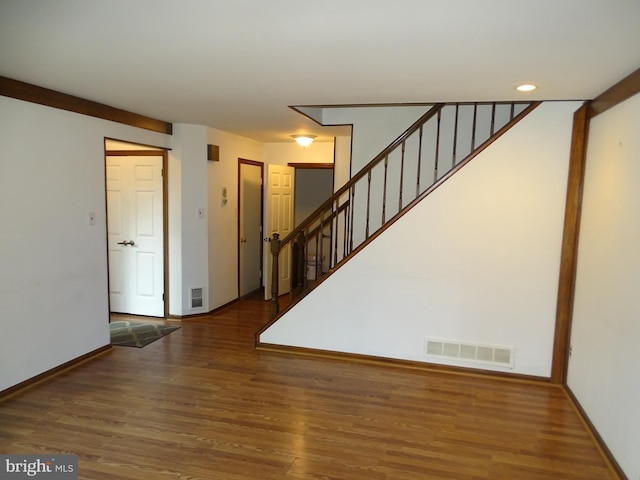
[(476, 262)]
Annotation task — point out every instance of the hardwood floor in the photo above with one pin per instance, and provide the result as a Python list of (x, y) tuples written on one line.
[(201, 403)]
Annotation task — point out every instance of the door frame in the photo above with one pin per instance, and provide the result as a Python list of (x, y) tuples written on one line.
[(244, 161), (149, 151), (298, 166)]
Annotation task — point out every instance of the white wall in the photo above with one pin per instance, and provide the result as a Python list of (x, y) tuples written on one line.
[(188, 166), (53, 279), (477, 261), (291, 152), (430, 152), (603, 367), (223, 220), (342, 162), (374, 128)]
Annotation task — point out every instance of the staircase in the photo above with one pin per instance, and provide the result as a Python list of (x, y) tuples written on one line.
[(429, 152)]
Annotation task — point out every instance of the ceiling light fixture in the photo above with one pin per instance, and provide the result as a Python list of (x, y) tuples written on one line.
[(526, 88), (304, 140)]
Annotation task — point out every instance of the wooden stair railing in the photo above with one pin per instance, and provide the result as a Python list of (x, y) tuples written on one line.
[(437, 145)]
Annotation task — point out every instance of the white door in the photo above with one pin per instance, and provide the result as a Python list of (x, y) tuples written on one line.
[(250, 247), (280, 189), (135, 234)]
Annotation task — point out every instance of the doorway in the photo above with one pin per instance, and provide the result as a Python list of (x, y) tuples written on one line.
[(280, 193), (314, 185), (289, 203), (136, 201), (250, 195)]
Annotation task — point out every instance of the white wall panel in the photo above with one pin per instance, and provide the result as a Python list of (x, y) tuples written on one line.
[(190, 151), (603, 367), (477, 262), (53, 279), (223, 218)]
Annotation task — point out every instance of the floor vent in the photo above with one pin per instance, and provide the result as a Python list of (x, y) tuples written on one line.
[(470, 352), (197, 297)]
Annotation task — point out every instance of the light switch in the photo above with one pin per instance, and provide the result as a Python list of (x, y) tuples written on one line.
[(223, 194)]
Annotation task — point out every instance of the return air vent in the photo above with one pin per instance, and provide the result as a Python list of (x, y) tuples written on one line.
[(197, 297), (470, 352)]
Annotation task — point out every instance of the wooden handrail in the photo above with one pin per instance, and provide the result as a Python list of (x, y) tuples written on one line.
[(327, 220), (363, 171)]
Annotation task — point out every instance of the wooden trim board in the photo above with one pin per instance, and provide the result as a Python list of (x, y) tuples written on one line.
[(51, 98)]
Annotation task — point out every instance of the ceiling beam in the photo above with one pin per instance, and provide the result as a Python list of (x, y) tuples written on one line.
[(621, 91), (51, 98)]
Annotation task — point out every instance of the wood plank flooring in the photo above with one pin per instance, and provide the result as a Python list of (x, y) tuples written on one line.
[(202, 403)]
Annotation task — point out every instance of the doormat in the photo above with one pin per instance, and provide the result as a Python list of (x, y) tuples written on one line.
[(131, 334)]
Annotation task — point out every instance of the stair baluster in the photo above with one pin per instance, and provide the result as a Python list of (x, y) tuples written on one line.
[(349, 221)]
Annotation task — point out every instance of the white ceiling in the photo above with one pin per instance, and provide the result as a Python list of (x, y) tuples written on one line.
[(237, 65)]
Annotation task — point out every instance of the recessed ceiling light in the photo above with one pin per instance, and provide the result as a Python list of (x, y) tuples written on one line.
[(526, 88)]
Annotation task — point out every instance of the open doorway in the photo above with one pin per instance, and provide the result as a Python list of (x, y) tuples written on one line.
[(136, 198), (314, 185), (288, 204), (250, 195)]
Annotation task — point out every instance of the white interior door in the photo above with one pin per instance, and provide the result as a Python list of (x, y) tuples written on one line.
[(135, 234), (280, 190), (250, 247)]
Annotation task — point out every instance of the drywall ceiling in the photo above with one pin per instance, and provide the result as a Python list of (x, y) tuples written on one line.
[(238, 65)]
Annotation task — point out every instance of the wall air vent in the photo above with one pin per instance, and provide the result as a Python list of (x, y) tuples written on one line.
[(196, 298), (499, 356), (213, 153)]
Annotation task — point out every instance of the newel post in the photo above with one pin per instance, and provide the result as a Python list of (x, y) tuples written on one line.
[(275, 276), (297, 264)]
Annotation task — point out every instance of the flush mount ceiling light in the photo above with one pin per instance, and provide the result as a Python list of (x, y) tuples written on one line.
[(303, 140), (526, 88)]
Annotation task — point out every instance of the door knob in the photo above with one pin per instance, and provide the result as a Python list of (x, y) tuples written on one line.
[(125, 243), (243, 240)]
